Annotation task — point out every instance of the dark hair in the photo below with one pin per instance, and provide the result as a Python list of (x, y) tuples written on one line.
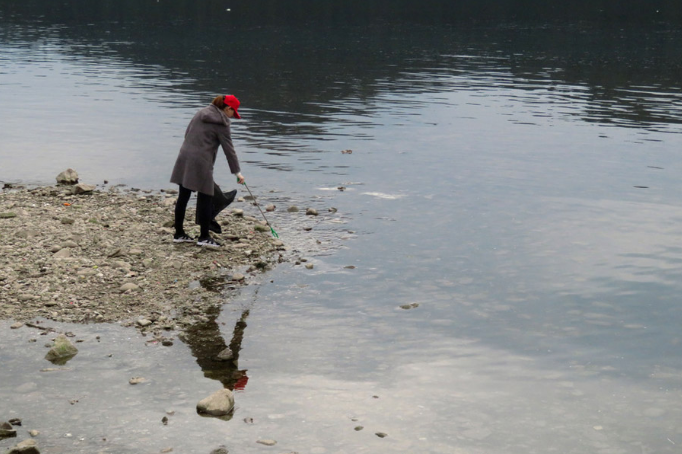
[(219, 102)]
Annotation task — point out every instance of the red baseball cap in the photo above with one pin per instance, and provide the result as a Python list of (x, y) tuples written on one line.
[(232, 101)]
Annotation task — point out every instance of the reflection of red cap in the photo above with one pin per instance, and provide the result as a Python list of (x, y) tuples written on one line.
[(241, 383), (232, 101)]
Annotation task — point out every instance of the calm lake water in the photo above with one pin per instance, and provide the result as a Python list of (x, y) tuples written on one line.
[(520, 183)]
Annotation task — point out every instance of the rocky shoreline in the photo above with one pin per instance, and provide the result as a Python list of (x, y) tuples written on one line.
[(97, 255)]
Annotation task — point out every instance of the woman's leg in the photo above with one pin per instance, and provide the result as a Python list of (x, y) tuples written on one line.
[(180, 208), (204, 210)]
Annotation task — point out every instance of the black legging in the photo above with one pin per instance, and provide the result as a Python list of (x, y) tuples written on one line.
[(204, 209)]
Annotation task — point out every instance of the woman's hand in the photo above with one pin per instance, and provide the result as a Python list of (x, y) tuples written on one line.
[(240, 178)]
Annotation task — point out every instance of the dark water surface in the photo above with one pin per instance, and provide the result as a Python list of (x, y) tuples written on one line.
[(521, 183)]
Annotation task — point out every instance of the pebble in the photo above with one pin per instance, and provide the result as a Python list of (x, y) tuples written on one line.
[(136, 380), (33, 433), (358, 428), (409, 306), (237, 212), (16, 325), (270, 208), (311, 212), (381, 435), (309, 266), (267, 442), (62, 253), (293, 209), (128, 287)]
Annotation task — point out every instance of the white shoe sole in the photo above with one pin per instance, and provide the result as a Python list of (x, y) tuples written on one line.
[(209, 245)]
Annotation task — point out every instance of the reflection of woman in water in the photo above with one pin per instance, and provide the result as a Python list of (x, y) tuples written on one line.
[(206, 343)]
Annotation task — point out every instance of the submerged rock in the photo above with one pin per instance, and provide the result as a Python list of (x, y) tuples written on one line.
[(62, 351), (7, 431), (219, 403)]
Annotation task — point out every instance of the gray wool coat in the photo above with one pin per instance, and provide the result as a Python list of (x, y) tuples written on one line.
[(193, 169)]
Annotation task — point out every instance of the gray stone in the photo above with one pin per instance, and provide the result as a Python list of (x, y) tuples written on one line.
[(120, 264), (219, 403), (82, 188), (292, 209), (237, 212), (270, 208), (220, 450), (62, 253), (311, 212), (16, 325), (144, 322), (69, 176), (267, 442), (309, 266), (128, 287)]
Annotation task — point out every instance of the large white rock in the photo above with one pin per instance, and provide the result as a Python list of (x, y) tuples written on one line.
[(219, 403), (69, 176), (25, 447)]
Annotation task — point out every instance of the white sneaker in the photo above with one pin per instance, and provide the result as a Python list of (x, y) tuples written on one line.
[(208, 242)]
